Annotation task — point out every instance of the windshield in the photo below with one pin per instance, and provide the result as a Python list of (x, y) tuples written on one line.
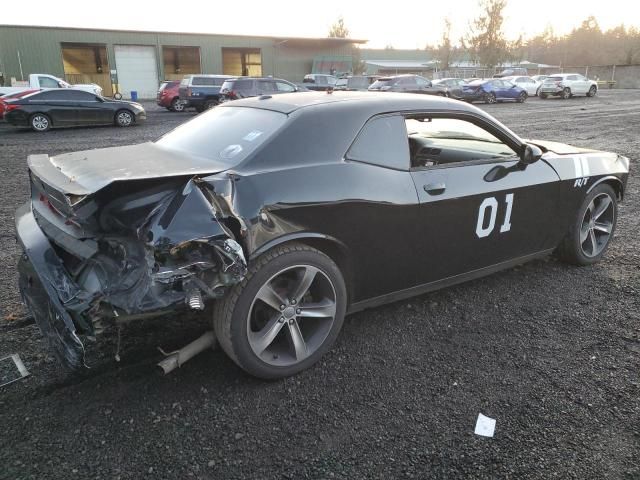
[(224, 134)]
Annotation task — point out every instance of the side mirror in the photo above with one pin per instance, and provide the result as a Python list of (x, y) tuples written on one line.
[(530, 154)]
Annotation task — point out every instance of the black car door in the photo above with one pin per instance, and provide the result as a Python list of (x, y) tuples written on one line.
[(89, 110), (479, 208)]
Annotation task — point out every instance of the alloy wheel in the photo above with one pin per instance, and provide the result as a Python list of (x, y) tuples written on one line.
[(124, 119), (490, 98), (178, 106), (291, 315), (597, 225), (566, 93), (40, 123)]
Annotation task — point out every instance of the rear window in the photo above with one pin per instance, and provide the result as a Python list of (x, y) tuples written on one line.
[(225, 134), (207, 81), (554, 79)]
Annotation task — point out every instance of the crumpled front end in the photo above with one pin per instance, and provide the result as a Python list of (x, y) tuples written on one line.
[(131, 250)]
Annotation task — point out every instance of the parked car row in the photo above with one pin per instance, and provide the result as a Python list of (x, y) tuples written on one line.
[(43, 108)]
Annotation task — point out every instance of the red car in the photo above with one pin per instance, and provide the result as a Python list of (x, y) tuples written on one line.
[(12, 96), (169, 96)]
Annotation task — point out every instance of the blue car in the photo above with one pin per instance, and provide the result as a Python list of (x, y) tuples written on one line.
[(492, 91)]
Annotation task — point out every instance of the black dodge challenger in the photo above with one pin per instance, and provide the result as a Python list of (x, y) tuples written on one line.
[(288, 212)]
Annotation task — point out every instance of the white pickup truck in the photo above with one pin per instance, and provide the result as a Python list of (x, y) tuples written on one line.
[(42, 80)]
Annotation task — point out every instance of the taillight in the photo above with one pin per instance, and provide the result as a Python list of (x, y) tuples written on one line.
[(188, 92), (9, 107)]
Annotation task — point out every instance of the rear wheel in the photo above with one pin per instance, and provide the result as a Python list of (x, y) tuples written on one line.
[(124, 118), (490, 97), (543, 96), (200, 108), (40, 122), (285, 314), (566, 93), (592, 230), (177, 105), (592, 91), (210, 104)]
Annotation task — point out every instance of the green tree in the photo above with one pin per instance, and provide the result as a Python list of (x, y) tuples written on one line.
[(338, 29), (485, 40)]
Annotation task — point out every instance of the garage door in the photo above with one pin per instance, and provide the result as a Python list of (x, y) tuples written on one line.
[(137, 70)]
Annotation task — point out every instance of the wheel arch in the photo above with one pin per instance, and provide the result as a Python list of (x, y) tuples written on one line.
[(330, 246), (614, 182), (31, 115)]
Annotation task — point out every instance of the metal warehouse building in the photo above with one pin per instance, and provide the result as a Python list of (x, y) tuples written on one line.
[(138, 60)]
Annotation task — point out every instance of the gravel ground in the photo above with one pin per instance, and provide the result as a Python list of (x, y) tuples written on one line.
[(552, 352)]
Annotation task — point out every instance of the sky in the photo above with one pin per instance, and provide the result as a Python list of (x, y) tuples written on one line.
[(407, 24)]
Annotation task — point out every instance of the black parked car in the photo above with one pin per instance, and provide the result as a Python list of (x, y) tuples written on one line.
[(244, 87), (289, 211), (66, 107), (408, 84)]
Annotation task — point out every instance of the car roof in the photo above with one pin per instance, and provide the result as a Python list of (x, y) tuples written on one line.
[(373, 102)]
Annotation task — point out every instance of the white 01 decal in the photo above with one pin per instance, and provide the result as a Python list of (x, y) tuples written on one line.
[(492, 204)]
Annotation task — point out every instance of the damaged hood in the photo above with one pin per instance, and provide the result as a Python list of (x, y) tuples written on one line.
[(559, 148), (86, 172)]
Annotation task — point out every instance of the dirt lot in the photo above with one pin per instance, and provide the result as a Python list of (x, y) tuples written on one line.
[(552, 352)]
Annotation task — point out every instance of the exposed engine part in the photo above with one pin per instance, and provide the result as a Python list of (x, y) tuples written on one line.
[(194, 300), (180, 357)]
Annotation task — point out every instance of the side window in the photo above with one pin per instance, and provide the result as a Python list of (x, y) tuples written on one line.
[(321, 80), (441, 141), (285, 87), (423, 81), (79, 96), (266, 86), (332, 80), (46, 82), (407, 81), (572, 77), (51, 95), (382, 141)]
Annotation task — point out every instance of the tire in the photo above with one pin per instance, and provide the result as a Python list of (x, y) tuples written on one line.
[(241, 316), (592, 91), (566, 93), (490, 98), (578, 246), (39, 122), (543, 96), (441, 94), (177, 105), (199, 108), (124, 118), (522, 97), (538, 91), (210, 104)]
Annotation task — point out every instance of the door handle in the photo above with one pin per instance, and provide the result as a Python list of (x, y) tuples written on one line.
[(435, 188)]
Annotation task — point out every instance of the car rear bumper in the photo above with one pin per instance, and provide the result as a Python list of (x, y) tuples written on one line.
[(47, 290)]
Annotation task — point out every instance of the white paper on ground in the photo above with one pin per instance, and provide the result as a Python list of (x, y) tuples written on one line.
[(485, 426)]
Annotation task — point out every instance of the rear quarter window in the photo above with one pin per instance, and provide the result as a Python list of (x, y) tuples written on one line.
[(382, 141)]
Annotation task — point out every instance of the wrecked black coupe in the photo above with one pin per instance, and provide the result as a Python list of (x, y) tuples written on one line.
[(288, 212)]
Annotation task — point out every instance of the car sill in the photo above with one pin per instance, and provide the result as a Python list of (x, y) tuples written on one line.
[(446, 282)]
